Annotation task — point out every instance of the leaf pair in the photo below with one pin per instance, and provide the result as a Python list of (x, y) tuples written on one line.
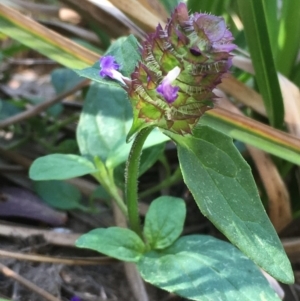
[(197, 267)]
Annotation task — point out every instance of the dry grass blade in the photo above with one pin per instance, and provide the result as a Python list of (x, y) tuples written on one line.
[(49, 36), (156, 8), (51, 237), (140, 14), (91, 12), (243, 94), (58, 260), (290, 93), (279, 207)]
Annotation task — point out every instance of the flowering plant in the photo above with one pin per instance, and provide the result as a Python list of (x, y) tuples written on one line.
[(170, 80)]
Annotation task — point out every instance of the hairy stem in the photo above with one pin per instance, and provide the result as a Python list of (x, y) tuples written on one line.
[(132, 173)]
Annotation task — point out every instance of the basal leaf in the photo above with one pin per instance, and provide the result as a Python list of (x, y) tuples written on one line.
[(224, 189), (203, 268), (164, 221), (58, 194), (60, 167), (116, 242)]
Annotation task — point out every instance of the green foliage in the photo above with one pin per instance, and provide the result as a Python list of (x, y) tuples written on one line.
[(64, 79), (289, 37), (104, 122), (116, 242), (8, 109), (254, 19), (203, 268), (228, 196), (59, 194), (164, 222), (60, 167), (197, 267)]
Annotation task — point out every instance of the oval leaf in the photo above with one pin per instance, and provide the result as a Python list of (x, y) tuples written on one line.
[(58, 194), (60, 167), (104, 122), (203, 268), (164, 221), (115, 242), (224, 189)]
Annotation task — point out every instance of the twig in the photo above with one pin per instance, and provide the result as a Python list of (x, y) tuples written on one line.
[(42, 106), (30, 285), (51, 237), (49, 259)]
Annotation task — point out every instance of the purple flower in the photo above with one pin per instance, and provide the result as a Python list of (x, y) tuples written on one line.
[(75, 298), (168, 91), (109, 68)]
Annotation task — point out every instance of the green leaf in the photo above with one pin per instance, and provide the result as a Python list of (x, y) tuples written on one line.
[(60, 167), (58, 194), (8, 109), (115, 242), (64, 79), (104, 123), (164, 221), (125, 50), (203, 268), (255, 26), (224, 189)]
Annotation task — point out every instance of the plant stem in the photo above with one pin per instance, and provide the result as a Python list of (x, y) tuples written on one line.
[(131, 177), (105, 178), (173, 179)]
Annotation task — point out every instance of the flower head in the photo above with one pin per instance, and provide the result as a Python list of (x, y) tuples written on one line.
[(172, 86), (110, 68)]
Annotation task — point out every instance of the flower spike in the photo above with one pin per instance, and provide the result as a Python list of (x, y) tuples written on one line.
[(172, 86)]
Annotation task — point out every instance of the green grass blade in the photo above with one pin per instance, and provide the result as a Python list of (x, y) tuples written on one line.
[(289, 36), (254, 133), (270, 6), (255, 26), (45, 41)]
